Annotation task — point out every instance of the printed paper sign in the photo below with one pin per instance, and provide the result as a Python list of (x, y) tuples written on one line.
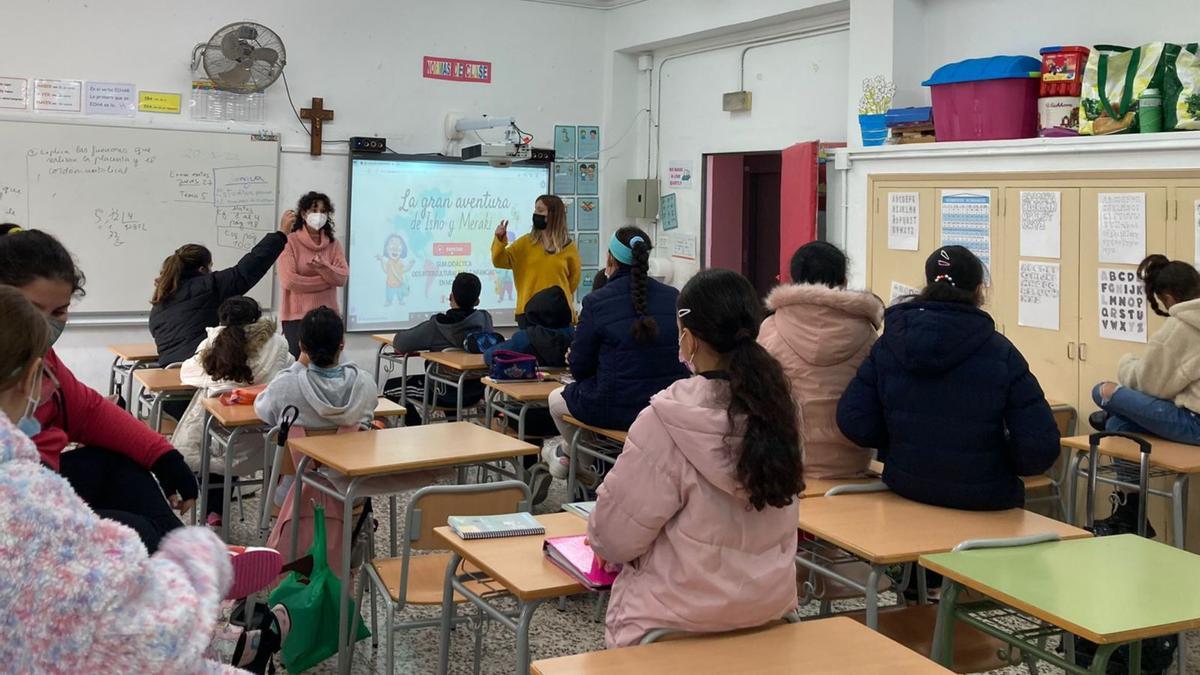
[(1038, 292), (588, 146), (563, 181), (110, 98), (564, 143), (1122, 305), (683, 246), (899, 291), (588, 214), (1041, 224), (1122, 227), (14, 93), (904, 220), (569, 204), (456, 70), (57, 95), (967, 222), (589, 248), (667, 215), (587, 179), (679, 174), (159, 102)]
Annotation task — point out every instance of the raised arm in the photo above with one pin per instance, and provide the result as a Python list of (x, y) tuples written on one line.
[(239, 279)]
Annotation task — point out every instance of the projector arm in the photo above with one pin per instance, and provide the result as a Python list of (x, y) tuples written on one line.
[(481, 123)]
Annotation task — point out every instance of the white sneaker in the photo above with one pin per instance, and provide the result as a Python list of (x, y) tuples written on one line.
[(554, 454)]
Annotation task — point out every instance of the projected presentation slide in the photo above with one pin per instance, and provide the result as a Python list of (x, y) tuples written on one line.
[(415, 224)]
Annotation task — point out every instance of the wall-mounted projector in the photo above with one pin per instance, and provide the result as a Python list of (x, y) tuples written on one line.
[(496, 154), (513, 148)]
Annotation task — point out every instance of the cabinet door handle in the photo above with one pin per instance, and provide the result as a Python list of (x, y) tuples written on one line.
[(1071, 351), (1083, 351)]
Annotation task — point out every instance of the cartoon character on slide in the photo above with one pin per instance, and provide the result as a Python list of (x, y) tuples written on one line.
[(504, 285), (395, 250)]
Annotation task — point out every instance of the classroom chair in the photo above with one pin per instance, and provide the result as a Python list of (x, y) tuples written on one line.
[(419, 579), (1052, 481), (603, 446)]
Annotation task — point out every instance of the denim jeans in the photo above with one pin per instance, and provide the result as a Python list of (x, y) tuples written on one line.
[(1132, 411)]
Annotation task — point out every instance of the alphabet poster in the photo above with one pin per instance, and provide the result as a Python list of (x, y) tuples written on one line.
[(1122, 227), (904, 220), (1038, 294), (1041, 223), (1122, 305)]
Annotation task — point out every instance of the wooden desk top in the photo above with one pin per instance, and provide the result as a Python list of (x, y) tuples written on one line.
[(231, 416), (518, 563), (161, 380), (1177, 457), (885, 528), (614, 434), (432, 446), (142, 351), (384, 338), (525, 392), (1107, 589), (837, 646), (456, 360)]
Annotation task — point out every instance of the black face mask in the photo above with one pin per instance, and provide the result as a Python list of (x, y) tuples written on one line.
[(539, 221)]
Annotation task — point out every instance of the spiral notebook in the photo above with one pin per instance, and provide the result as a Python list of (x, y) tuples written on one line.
[(489, 527)]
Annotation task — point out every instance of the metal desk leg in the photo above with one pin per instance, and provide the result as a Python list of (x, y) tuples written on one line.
[(227, 484), (942, 650), (201, 511), (112, 376), (573, 463), (276, 454), (922, 584), (345, 636), (427, 395), (448, 612), (298, 487), (871, 597), (1071, 486), (1178, 504), (527, 610)]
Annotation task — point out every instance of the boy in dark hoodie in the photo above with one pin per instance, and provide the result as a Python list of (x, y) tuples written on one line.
[(444, 331), (548, 332)]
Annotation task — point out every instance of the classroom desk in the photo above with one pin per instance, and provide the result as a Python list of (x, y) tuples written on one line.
[(159, 385), (837, 646), (451, 369), (883, 528), (599, 444), (1109, 590), (381, 453), (1178, 461), (516, 563), (514, 400), (126, 359)]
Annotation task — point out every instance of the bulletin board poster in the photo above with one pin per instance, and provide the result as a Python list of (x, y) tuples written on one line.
[(569, 204), (1038, 294), (1122, 227), (563, 178), (1041, 223), (668, 216), (680, 173), (967, 222), (587, 214), (564, 143), (587, 179), (589, 143), (904, 221), (1122, 305), (586, 280), (589, 248)]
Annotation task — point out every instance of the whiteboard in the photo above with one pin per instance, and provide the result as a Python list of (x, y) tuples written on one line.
[(122, 199)]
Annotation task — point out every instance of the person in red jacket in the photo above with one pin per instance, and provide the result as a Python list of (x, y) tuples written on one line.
[(121, 467)]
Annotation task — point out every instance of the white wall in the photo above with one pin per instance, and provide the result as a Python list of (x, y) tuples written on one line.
[(362, 56)]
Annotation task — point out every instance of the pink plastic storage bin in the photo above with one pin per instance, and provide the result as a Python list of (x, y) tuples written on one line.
[(986, 99)]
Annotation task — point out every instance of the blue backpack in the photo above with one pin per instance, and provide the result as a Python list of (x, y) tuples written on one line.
[(478, 342)]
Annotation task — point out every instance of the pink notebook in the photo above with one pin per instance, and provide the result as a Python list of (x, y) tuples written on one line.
[(576, 558)]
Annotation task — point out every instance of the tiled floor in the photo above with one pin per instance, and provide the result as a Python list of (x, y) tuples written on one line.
[(554, 632)]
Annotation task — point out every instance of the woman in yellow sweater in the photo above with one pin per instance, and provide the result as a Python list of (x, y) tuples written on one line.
[(543, 258)]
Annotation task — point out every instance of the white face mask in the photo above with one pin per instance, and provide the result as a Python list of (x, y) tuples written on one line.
[(315, 221)]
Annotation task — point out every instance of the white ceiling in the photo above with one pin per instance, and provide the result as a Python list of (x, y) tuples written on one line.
[(590, 4)]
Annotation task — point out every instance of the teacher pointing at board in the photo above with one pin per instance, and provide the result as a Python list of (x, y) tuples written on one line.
[(313, 266), (543, 258)]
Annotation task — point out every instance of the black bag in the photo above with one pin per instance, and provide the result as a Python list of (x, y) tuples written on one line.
[(480, 341), (1157, 655)]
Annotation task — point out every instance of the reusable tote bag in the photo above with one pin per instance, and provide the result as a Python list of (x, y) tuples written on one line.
[(1113, 80), (1181, 89), (312, 605)]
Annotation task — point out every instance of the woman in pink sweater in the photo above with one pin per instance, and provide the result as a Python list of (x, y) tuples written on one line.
[(312, 267), (701, 506), (821, 333)]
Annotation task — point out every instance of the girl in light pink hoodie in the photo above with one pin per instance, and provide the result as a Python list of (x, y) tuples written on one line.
[(701, 507), (821, 333)]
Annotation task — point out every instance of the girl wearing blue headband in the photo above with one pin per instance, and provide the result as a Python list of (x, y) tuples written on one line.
[(625, 346)]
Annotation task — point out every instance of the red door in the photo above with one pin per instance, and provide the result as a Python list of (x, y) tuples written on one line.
[(797, 201)]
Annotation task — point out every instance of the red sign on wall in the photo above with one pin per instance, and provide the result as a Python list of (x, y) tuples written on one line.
[(457, 70)]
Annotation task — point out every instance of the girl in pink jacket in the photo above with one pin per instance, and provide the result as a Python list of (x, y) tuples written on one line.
[(821, 333), (701, 507)]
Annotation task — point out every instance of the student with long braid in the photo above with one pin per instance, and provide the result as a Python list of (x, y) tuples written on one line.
[(626, 346)]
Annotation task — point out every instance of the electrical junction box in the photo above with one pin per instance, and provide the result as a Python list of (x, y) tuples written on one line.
[(736, 101), (367, 144), (641, 198)]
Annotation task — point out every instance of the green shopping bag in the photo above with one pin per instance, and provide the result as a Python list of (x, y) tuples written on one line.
[(312, 604), (1181, 88), (1113, 81)]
